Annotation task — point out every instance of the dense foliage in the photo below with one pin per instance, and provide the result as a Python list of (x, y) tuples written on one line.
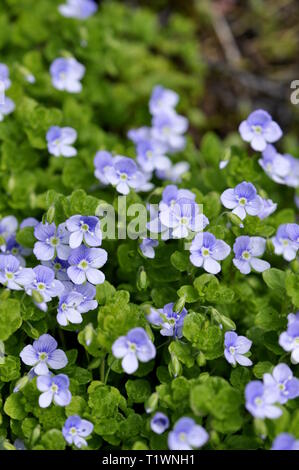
[(126, 52)]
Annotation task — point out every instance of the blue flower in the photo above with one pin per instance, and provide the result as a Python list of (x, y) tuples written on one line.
[(54, 388), (4, 76), (43, 354), (171, 322), (87, 228), (182, 218), (268, 207), (187, 435), (289, 340), (13, 275), (285, 441), (124, 175), (235, 348), (159, 423), (75, 429), (45, 285), (259, 402), (8, 227), (85, 263), (72, 304), (139, 135), (275, 165), (168, 129), (162, 99), (29, 222), (206, 251), (247, 252), (79, 9), (135, 346), (259, 129), (174, 173), (13, 248), (150, 156), (59, 266), (103, 161), (60, 140), (282, 383), (66, 74), (6, 108), (52, 241), (286, 241), (243, 199), (147, 247)]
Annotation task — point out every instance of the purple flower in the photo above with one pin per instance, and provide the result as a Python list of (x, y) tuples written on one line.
[(174, 173), (60, 140), (135, 346), (52, 241), (289, 340), (66, 74), (147, 247), (87, 228), (259, 402), (79, 9), (285, 441), (103, 161), (247, 251), (183, 217), (206, 251), (29, 222), (259, 129), (168, 129), (275, 165), (286, 241), (159, 423), (150, 156), (235, 348), (54, 388), (85, 263), (75, 429), (43, 354), (187, 435), (73, 304), (292, 317), (8, 227), (282, 383), (13, 275), (45, 285), (243, 199), (13, 248), (4, 76), (140, 134), (268, 207), (162, 100), (124, 175), (59, 266), (172, 194), (6, 108), (171, 322)]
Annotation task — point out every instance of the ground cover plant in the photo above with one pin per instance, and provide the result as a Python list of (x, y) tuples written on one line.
[(149, 279)]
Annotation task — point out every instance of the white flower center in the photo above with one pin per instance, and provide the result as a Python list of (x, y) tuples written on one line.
[(54, 388), (242, 201), (182, 436), (232, 350), (123, 176), (73, 431), (9, 276), (132, 347), (54, 241), (258, 401), (257, 129), (43, 356), (41, 286), (246, 255), (205, 252), (83, 264)]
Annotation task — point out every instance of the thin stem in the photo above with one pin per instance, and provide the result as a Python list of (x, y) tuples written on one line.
[(102, 370)]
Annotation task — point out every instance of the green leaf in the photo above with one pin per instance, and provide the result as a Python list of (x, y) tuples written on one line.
[(15, 407), (53, 440), (10, 318), (138, 390)]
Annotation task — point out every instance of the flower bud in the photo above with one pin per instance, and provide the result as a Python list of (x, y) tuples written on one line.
[(35, 435), (180, 304), (235, 220), (21, 383), (50, 214), (152, 403), (37, 297), (175, 367), (142, 279), (88, 334)]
